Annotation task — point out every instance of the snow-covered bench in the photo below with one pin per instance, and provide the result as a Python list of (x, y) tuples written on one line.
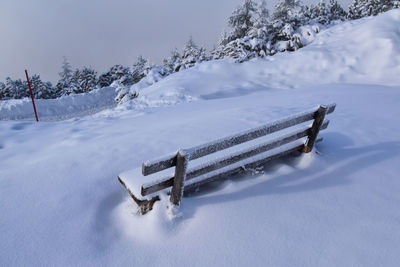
[(145, 192)]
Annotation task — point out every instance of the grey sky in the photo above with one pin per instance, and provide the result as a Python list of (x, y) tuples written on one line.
[(36, 34)]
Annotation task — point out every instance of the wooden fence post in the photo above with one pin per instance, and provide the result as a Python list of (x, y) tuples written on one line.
[(314, 130), (179, 178)]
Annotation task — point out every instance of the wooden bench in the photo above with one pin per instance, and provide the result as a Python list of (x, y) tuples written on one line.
[(296, 137)]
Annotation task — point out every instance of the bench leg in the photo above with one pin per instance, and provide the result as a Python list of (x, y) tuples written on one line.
[(314, 130), (179, 179), (144, 205)]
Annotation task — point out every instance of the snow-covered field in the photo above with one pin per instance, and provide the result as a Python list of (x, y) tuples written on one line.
[(61, 203)]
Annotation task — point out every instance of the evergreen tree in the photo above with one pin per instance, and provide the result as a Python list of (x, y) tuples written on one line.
[(262, 15), (241, 20), (83, 81), (218, 52), (287, 11), (15, 89), (363, 8), (203, 55), (43, 89), (121, 74), (139, 69), (65, 74), (336, 11), (174, 62), (105, 79), (87, 80), (2, 90), (190, 54), (322, 13), (116, 73), (66, 71)]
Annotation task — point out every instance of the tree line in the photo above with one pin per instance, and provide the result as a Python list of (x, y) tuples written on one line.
[(253, 32)]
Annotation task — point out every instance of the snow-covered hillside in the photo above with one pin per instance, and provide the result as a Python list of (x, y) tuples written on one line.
[(61, 203)]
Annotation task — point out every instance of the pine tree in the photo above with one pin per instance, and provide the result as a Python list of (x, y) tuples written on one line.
[(42, 89), (287, 17), (363, 8), (336, 11), (87, 80), (64, 84), (121, 74), (116, 73), (287, 11), (203, 55), (2, 91), (218, 52), (190, 54), (15, 89), (139, 69), (262, 15), (322, 10), (66, 71), (105, 79), (174, 62), (242, 20), (374, 7), (83, 81)]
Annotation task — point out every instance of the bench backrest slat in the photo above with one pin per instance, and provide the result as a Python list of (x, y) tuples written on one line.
[(169, 161), (240, 167)]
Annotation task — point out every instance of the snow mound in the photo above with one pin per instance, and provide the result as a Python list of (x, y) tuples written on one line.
[(366, 51)]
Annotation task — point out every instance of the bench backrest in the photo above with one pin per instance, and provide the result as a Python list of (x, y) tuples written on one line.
[(236, 162)]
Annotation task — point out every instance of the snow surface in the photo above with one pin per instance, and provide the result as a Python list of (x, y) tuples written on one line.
[(61, 203)]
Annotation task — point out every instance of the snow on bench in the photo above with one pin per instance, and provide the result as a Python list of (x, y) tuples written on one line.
[(182, 178)]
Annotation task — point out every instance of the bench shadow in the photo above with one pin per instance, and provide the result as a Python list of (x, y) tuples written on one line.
[(103, 233), (338, 158)]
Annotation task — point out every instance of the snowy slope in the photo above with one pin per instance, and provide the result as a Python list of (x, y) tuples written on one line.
[(365, 51), (61, 204)]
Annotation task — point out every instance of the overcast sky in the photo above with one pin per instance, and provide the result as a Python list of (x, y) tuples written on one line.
[(36, 34)]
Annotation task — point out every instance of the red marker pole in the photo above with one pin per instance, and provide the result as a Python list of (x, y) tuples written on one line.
[(30, 92)]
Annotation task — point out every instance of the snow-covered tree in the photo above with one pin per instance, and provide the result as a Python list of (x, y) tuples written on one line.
[(363, 8), (66, 70), (174, 62), (322, 12), (241, 21), (16, 88), (336, 11), (355, 10), (105, 79), (190, 54), (87, 79), (116, 73), (83, 81), (64, 83), (2, 90), (288, 11), (42, 89), (262, 15), (139, 69)]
